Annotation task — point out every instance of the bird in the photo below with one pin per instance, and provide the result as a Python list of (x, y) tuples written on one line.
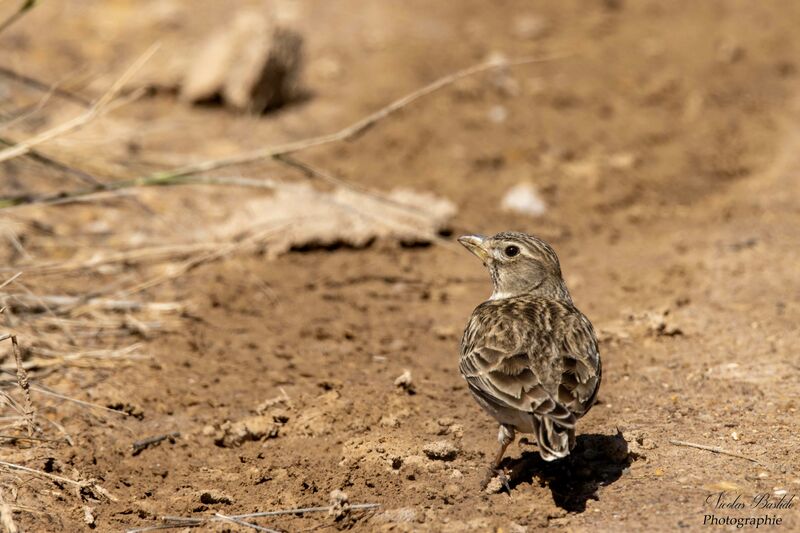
[(529, 356)]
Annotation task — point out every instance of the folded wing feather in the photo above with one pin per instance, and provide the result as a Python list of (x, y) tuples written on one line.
[(516, 367)]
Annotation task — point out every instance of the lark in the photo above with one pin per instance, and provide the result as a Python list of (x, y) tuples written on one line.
[(528, 354)]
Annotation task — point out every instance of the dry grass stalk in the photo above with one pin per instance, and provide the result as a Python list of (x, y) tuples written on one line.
[(9, 400), (99, 325), (100, 107), (73, 304), (24, 7), (715, 449), (223, 250), (172, 522), (16, 243), (91, 405), (41, 86), (10, 280), (171, 525), (65, 329), (20, 437), (6, 516), (304, 510), (134, 256), (87, 484), (80, 320), (22, 380), (88, 359), (240, 522), (116, 189), (27, 411), (67, 437), (49, 161), (24, 114)]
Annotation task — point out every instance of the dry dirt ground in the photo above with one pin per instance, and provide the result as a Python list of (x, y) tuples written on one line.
[(665, 148)]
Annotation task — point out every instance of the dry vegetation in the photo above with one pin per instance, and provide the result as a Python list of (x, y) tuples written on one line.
[(231, 314)]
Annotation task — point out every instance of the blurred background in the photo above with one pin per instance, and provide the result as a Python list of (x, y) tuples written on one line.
[(230, 264)]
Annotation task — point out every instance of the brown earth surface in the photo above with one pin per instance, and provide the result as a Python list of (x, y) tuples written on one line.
[(665, 148)]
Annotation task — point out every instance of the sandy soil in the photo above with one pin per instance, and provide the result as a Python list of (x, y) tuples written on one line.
[(665, 149)]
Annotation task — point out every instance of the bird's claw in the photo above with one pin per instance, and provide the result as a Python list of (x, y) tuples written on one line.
[(499, 473)]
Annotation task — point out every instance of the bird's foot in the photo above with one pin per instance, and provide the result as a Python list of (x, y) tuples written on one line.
[(498, 473)]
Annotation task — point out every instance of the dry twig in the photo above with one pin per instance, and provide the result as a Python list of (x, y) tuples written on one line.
[(140, 445), (714, 449), (245, 524)]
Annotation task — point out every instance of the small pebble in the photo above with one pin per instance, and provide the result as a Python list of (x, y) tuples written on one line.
[(494, 486), (529, 27), (441, 450), (498, 114), (405, 382), (212, 496), (524, 199)]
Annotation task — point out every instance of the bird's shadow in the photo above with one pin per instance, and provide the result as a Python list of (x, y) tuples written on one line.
[(596, 460)]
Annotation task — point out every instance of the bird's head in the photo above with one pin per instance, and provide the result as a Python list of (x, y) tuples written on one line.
[(518, 264)]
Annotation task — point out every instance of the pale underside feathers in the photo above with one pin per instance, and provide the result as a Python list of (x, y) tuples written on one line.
[(533, 364)]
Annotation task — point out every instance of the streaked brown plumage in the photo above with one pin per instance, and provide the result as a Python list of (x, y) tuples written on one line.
[(529, 356)]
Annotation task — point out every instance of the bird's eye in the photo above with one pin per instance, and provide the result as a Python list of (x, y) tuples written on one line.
[(512, 250)]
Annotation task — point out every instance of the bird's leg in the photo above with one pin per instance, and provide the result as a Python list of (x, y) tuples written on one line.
[(505, 437)]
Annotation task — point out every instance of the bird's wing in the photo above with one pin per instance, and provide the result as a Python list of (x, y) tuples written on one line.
[(581, 370), (533, 356)]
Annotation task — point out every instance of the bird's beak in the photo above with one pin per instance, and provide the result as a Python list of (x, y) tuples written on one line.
[(477, 245)]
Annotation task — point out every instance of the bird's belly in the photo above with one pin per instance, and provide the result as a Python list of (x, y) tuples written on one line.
[(520, 420)]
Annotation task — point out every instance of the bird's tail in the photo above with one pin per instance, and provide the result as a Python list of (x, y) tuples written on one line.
[(555, 439)]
